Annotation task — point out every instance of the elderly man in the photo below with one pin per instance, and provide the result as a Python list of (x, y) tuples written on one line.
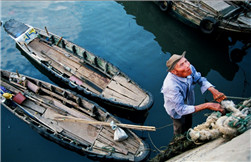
[(178, 91)]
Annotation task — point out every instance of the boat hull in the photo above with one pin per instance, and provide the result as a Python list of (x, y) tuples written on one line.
[(93, 77), (194, 15), (40, 112)]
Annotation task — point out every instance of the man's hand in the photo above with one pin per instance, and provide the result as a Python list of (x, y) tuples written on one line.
[(211, 106), (218, 96), (215, 107)]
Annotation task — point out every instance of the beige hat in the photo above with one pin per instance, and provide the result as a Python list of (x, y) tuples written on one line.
[(173, 60)]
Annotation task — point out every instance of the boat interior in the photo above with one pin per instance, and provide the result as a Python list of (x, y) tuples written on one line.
[(84, 69)]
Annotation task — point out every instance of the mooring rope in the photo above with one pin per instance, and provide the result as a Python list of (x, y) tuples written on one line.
[(153, 143), (162, 127), (168, 125)]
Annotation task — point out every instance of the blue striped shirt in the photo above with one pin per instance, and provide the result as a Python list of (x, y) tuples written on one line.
[(178, 93)]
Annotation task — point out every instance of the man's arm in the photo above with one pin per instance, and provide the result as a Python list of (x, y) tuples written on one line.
[(218, 96), (210, 106)]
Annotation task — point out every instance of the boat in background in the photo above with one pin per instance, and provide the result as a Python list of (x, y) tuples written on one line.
[(78, 69), (212, 15), (70, 119)]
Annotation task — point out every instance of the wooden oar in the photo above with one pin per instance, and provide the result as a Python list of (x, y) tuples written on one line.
[(129, 126)]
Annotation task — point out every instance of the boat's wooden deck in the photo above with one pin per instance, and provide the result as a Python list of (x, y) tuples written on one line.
[(69, 65), (117, 88)]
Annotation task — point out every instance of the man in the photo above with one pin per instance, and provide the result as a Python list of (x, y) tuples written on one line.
[(178, 91)]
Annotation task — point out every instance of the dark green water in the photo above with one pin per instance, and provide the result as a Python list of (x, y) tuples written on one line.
[(135, 36)]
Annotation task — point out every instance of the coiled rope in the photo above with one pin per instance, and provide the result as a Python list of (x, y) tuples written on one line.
[(235, 122)]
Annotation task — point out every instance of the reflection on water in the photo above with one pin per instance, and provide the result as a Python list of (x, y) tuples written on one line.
[(204, 52)]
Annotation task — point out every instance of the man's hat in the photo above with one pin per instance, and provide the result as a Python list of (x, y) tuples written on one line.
[(173, 60)]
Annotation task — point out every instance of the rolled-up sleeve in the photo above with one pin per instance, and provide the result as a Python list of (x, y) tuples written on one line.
[(202, 81)]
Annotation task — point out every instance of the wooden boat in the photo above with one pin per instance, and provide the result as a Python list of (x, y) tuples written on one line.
[(68, 119), (79, 69), (211, 15)]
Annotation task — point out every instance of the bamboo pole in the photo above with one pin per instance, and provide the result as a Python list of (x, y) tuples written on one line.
[(129, 126)]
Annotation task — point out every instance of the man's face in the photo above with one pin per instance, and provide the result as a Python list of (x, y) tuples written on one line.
[(182, 68)]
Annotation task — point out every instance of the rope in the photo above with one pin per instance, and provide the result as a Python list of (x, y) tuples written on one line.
[(237, 98), (152, 142), (188, 136), (151, 138), (240, 124), (165, 126)]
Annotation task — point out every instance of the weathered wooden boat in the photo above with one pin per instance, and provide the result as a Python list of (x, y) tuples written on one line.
[(211, 15), (69, 119), (79, 69)]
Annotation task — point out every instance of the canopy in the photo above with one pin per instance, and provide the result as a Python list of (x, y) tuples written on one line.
[(15, 28)]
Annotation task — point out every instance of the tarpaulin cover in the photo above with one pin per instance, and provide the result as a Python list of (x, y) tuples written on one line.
[(15, 28)]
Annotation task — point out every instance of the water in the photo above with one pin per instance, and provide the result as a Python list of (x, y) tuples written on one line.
[(135, 36)]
